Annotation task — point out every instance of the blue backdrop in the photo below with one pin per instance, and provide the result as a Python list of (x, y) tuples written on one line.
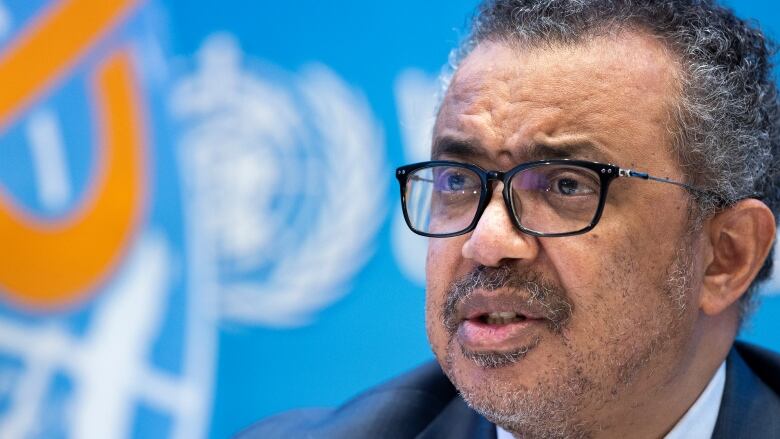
[(199, 204)]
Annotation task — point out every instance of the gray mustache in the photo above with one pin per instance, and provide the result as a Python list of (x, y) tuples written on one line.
[(527, 284)]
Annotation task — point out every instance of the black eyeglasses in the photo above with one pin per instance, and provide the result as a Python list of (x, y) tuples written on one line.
[(550, 198)]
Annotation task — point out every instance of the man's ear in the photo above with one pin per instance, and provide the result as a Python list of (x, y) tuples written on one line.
[(740, 238)]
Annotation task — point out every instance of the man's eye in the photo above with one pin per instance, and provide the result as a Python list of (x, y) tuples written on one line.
[(452, 181), (567, 186), (571, 186), (455, 182)]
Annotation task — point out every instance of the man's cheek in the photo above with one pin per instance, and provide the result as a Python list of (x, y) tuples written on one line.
[(434, 327), (441, 267), (440, 252)]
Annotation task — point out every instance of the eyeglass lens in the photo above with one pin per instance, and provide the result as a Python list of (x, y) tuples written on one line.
[(547, 198)]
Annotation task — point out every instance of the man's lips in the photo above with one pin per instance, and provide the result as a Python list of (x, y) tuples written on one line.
[(498, 322), (480, 304), (477, 336)]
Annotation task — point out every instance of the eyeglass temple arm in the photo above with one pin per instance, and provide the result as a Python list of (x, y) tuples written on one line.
[(645, 176), (718, 198)]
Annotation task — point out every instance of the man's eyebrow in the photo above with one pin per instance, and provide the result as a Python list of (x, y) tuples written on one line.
[(469, 149), (456, 147), (578, 150)]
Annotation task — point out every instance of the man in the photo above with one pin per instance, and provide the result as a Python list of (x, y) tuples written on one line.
[(601, 204)]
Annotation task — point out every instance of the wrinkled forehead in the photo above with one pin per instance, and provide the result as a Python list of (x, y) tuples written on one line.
[(608, 98)]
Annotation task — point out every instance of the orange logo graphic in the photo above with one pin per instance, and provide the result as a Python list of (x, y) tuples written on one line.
[(53, 264)]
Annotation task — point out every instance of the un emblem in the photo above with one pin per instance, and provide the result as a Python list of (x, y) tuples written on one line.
[(285, 181)]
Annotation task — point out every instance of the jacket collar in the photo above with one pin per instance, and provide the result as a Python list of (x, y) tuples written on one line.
[(749, 407), (459, 421)]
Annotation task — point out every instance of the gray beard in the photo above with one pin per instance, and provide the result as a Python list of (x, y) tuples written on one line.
[(546, 411), (553, 408), (494, 360)]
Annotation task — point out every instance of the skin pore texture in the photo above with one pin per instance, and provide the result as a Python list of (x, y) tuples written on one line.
[(630, 320)]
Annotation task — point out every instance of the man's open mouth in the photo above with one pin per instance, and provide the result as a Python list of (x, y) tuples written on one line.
[(498, 322), (501, 318)]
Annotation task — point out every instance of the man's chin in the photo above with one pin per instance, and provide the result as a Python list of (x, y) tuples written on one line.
[(514, 366), (513, 389)]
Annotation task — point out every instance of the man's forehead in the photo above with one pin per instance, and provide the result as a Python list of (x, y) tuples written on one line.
[(635, 58), (592, 93)]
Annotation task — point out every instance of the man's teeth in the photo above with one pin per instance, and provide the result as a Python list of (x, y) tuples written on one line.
[(502, 318)]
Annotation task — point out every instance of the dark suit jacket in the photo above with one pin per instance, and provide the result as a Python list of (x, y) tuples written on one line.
[(423, 404)]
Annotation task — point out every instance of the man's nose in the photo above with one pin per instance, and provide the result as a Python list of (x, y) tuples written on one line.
[(496, 239)]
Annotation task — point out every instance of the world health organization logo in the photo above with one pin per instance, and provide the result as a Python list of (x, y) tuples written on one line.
[(285, 181)]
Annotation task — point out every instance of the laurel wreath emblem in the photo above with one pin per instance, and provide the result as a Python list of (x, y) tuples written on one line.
[(340, 239)]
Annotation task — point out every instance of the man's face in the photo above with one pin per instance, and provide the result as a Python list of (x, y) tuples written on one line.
[(604, 319)]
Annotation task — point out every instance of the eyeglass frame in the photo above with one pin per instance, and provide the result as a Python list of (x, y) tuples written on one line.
[(606, 172)]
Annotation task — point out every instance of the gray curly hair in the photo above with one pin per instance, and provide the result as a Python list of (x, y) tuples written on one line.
[(726, 133)]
